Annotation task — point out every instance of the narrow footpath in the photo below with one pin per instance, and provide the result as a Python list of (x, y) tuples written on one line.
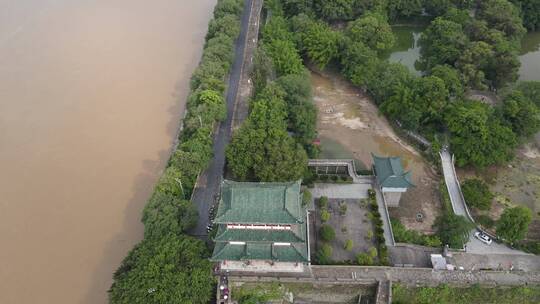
[(207, 188)]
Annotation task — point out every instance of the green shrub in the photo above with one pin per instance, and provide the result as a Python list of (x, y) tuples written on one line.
[(485, 221), (364, 259), (306, 198), (348, 245), (403, 235), (342, 208), (323, 202), (324, 254), (477, 194), (372, 252), (514, 223), (325, 216), (327, 233)]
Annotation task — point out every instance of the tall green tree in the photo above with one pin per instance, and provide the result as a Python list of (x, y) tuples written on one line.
[(442, 43), (359, 63), (521, 114), (502, 15), (373, 30), (530, 13), (321, 43), (453, 229), (451, 78), (477, 136), (514, 223), (301, 111), (262, 149)]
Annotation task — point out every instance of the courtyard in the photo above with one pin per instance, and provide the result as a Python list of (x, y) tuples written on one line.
[(349, 218)]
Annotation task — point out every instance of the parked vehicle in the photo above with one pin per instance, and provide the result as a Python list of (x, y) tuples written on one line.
[(484, 238)]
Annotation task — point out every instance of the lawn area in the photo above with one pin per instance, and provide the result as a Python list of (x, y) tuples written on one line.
[(444, 294), (285, 293)]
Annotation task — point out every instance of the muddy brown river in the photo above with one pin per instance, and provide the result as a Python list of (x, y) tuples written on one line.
[(91, 92)]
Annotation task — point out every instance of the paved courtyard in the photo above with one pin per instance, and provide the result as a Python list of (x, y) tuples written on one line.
[(342, 191), (354, 225)]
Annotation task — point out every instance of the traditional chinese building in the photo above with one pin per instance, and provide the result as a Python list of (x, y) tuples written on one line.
[(261, 227), (391, 178)]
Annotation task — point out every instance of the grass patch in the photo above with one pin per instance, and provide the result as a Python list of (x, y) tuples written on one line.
[(445, 294)]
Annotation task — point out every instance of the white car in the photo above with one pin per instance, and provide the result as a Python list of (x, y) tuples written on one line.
[(483, 237)]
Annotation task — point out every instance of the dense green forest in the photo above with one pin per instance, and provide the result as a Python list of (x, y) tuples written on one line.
[(168, 266), (467, 45)]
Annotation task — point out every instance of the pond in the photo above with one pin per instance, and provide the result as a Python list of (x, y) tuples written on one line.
[(407, 51), (529, 57)]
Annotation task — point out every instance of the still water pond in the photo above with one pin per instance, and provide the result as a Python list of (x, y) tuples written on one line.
[(407, 51)]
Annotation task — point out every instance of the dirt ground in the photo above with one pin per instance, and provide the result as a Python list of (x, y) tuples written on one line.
[(349, 124), (517, 183)]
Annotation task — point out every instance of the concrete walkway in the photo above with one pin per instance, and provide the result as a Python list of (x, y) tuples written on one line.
[(452, 184)]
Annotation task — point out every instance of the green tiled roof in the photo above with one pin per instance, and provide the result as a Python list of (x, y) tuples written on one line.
[(260, 251), (260, 203), (296, 234), (390, 173)]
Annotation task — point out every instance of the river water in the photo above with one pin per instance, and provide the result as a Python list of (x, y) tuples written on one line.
[(91, 92)]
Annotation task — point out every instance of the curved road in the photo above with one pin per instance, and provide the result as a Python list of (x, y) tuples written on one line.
[(460, 208)]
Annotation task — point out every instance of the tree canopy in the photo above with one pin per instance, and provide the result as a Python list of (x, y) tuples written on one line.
[(514, 223), (453, 229), (170, 269), (477, 194), (373, 30), (262, 149)]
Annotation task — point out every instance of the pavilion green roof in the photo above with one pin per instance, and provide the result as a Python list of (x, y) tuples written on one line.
[(390, 174), (297, 233), (260, 203), (260, 251)]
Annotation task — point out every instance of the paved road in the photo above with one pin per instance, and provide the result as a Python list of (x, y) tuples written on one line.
[(209, 181), (458, 204)]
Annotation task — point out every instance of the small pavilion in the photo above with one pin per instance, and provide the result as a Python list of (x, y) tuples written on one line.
[(261, 227), (391, 178)]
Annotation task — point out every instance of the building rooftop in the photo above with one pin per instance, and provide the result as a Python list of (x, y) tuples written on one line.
[(295, 252), (390, 174), (260, 203)]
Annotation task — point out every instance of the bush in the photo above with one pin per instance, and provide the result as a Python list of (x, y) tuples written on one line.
[(324, 254), (514, 223), (348, 245), (323, 202), (325, 216), (372, 252), (402, 234), (327, 233), (364, 259), (485, 221), (306, 198), (477, 194), (342, 208)]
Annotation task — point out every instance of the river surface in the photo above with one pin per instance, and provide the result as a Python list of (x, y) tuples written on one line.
[(91, 92)]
